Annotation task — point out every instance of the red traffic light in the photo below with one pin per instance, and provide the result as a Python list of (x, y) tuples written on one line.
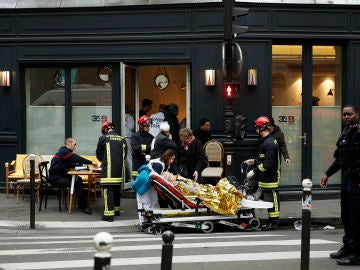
[(231, 90)]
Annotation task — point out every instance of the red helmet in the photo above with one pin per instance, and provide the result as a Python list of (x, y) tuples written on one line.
[(106, 125), (262, 122), (144, 120)]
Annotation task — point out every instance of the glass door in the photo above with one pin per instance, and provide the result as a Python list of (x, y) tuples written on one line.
[(304, 105), (129, 107)]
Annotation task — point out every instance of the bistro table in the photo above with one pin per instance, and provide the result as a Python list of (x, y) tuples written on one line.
[(75, 173)]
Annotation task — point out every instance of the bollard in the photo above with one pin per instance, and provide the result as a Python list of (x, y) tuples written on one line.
[(103, 244), (167, 250), (306, 222), (32, 191)]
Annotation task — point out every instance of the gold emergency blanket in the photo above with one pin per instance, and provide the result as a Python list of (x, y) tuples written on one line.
[(223, 198)]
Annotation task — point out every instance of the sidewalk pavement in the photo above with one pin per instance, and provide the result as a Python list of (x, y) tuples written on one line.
[(16, 215)]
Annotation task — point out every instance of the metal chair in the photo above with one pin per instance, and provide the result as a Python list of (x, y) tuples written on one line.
[(46, 188), (214, 151)]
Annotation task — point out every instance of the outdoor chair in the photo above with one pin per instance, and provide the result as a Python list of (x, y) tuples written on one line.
[(46, 188), (214, 151)]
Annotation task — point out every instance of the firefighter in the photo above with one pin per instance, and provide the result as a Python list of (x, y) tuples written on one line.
[(267, 170), (111, 151), (347, 159), (141, 143)]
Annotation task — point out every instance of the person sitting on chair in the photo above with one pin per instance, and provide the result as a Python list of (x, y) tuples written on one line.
[(63, 161)]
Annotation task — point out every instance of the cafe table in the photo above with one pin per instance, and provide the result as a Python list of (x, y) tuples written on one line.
[(75, 173)]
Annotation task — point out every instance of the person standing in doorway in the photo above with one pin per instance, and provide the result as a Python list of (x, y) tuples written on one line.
[(267, 170), (203, 132), (347, 159), (111, 150), (156, 119), (171, 117), (146, 106)]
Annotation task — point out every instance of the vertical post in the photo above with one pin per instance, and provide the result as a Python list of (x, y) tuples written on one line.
[(103, 244), (167, 250), (32, 191), (306, 222)]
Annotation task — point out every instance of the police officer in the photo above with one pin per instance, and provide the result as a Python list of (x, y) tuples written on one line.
[(141, 143), (347, 159), (111, 151), (267, 170)]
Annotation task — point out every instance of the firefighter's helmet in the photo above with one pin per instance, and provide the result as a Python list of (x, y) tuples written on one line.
[(144, 120), (106, 125), (262, 122)]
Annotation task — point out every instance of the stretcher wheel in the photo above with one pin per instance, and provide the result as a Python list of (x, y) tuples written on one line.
[(211, 226), (254, 223), (158, 231)]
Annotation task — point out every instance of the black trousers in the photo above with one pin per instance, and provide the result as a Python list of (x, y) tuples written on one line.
[(78, 189), (272, 195), (112, 196), (350, 213)]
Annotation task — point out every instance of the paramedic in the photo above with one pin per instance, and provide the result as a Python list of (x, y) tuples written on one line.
[(111, 150), (347, 159), (267, 170), (141, 143)]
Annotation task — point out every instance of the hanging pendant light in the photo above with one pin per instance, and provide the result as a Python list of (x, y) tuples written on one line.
[(330, 93)]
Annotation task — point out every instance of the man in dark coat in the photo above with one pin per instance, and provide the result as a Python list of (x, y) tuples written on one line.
[(62, 162)]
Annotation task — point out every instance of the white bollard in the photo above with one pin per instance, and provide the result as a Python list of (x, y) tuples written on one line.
[(103, 244)]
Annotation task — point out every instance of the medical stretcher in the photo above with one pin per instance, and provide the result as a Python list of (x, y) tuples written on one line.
[(190, 212)]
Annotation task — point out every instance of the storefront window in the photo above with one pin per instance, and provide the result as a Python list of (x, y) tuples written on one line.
[(45, 118), (91, 97)]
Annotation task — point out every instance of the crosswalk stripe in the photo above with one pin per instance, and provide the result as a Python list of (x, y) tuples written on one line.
[(71, 224), (20, 252), (283, 255), (146, 238)]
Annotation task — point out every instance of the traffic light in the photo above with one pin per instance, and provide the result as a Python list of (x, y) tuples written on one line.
[(240, 126), (230, 15), (231, 90), (232, 60)]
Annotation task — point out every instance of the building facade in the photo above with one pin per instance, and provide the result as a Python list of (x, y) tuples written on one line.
[(73, 67)]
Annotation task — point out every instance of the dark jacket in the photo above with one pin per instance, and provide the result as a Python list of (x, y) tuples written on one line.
[(267, 164), (140, 146), (280, 138), (162, 143), (111, 151), (63, 161), (171, 118), (202, 135), (191, 160)]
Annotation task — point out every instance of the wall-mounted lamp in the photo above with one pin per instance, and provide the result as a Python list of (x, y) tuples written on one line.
[(252, 77), (330, 93), (210, 77), (4, 78)]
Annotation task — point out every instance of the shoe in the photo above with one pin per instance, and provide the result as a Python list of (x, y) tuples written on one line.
[(269, 227), (107, 218), (349, 260), (117, 213), (87, 210), (341, 253)]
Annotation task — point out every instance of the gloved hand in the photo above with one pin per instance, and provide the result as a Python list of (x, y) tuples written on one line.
[(250, 174), (249, 161)]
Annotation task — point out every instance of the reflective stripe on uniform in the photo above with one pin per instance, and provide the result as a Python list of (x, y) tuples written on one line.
[(269, 185), (143, 148), (134, 173), (261, 168), (108, 180), (108, 158)]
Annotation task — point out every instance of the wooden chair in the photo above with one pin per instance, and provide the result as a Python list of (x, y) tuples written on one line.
[(214, 151), (13, 171), (24, 183), (91, 181)]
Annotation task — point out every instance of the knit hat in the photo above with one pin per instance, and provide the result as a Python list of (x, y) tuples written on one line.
[(164, 126)]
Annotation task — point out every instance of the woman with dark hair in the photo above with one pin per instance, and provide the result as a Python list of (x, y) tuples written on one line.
[(146, 195)]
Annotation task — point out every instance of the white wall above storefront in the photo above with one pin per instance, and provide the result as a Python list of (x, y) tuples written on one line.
[(9, 4)]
